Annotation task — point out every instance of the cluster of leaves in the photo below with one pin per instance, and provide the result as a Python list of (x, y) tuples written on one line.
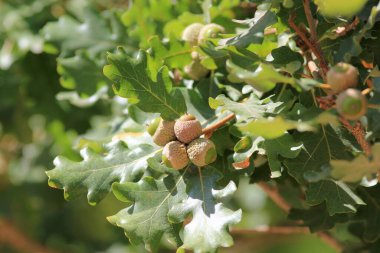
[(258, 70)]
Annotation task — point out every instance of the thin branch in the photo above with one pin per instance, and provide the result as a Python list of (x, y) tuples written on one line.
[(13, 237), (343, 30), (281, 202), (210, 129), (313, 46), (271, 230), (358, 132), (275, 196), (310, 20)]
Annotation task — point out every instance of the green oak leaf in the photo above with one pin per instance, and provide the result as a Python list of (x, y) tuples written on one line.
[(210, 218), (159, 206), (96, 33), (146, 221), (351, 46), (313, 162), (366, 222), (74, 98), (96, 172), (264, 78), (271, 128), (284, 55), (245, 148), (255, 34), (355, 170), (317, 218), (338, 196), (174, 54), (131, 78), (250, 108), (284, 146), (80, 73)]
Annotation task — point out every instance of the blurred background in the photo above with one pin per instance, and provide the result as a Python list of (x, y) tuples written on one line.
[(54, 100)]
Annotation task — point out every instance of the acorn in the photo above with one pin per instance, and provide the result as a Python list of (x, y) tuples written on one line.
[(209, 31), (174, 155), (191, 33), (201, 152), (342, 76), (162, 131), (351, 104), (187, 128), (195, 70)]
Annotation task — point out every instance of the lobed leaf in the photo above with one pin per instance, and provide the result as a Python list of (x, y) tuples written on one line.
[(131, 78), (96, 172)]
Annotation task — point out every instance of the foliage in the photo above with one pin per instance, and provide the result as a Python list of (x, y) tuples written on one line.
[(263, 100)]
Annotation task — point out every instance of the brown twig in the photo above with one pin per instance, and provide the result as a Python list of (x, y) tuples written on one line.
[(271, 230), (13, 237), (275, 196), (281, 202), (312, 45), (310, 20), (343, 30), (210, 129), (358, 132)]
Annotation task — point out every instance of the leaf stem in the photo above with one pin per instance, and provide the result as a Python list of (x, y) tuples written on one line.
[(272, 193)]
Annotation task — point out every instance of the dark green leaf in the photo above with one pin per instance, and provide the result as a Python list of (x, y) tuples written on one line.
[(132, 80)]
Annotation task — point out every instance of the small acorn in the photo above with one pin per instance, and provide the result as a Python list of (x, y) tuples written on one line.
[(342, 76), (191, 33), (195, 70), (351, 104), (201, 152), (209, 31), (162, 131), (187, 128), (174, 155)]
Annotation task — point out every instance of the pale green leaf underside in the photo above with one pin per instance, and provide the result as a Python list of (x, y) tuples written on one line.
[(355, 170), (96, 172), (161, 205)]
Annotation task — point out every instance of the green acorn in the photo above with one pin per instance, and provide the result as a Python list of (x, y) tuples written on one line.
[(191, 33), (209, 31), (342, 76), (351, 104)]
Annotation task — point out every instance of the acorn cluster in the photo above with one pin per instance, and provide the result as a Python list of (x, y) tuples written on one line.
[(196, 34), (350, 102), (182, 142)]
